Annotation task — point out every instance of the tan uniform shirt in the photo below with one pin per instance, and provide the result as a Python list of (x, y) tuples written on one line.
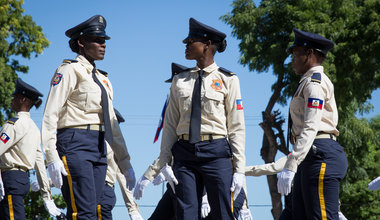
[(113, 173), (75, 99), (20, 147), (222, 114), (312, 109), (266, 169)]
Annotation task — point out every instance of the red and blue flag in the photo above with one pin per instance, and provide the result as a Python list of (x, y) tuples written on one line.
[(161, 122), (314, 103)]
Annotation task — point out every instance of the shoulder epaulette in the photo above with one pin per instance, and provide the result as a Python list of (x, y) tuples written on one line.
[(103, 72), (223, 70), (12, 121), (316, 77), (69, 61)]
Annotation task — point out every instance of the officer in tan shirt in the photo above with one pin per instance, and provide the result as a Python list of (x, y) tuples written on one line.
[(78, 119), (20, 151), (317, 162), (203, 129)]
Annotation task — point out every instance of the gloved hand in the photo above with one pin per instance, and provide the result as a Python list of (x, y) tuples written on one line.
[(237, 184), (141, 185), (136, 217), (245, 214), (205, 209), (341, 216), (34, 186), (284, 183), (374, 184), (169, 176), (2, 192), (56, 170), (130, 177), (159, 179), (51, 208)]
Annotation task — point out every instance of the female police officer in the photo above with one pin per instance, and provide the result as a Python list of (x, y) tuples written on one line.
[(78, 119), (204, 121), (317, 162)]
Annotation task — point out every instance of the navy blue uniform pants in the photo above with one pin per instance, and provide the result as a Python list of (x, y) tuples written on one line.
[(83, 153), (166, 207), (204, 164), (107, 202), (16, 186), (316, 183)]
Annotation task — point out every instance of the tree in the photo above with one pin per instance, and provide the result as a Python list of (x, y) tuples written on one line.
[(266, 32), (34, 206), (19, 36)]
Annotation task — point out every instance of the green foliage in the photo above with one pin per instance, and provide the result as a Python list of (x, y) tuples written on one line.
[(34, 205), (19, 36)]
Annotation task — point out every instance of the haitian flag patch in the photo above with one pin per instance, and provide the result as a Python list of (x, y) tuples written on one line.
[(314, 103), (239, 104), (57, 79), (4, 137)]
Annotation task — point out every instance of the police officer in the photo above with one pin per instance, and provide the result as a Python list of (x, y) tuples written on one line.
[(204, 128), (317, 162), (78, 119), (108, 199), (20, 151)]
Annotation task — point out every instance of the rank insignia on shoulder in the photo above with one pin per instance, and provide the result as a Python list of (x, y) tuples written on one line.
[(56, 79), (103, 72), (316, 77), (12, 121), (69, 61), (226, 71), (4, 137), (217, 84)]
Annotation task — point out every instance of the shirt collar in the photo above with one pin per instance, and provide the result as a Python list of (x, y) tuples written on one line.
[(20, 114), (208, 69), (312, 70), (82, 60)]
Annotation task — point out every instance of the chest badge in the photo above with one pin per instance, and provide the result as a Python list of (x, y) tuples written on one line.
[(106, 83), (217, 84)]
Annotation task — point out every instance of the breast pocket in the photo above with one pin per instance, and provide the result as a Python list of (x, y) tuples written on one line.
[(213, 101), (184, 97), (93, 98), (297, 105)]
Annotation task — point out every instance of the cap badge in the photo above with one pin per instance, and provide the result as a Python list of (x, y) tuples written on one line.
[(101, 19)]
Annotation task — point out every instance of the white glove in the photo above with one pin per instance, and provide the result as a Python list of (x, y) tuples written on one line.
[(341, 216), (51, 208), (374, 184), (130, 177), (237, 184), (284, 183), (136, 217), (169, 176), (205, 209), (245, 214), (56, 170), (141, 185), (2, 192), (34, 186), (159, 179)]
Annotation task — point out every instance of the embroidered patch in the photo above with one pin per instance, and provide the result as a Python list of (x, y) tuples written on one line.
[(106, 83), (4, 137), (57, 79), (217, 84), (239, 104), (314, 103)]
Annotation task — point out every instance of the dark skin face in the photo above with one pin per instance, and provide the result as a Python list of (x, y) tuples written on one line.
[(199, 49), (303, 59), (92, 48), (20, 103)]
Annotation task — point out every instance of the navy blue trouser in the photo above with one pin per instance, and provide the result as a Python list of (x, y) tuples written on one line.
[(286, 214), (107, 202), (16, 187), (83, 153), (204, 164), (166, 207), (316, 183)]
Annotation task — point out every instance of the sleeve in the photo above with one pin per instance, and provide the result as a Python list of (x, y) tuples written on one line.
[(62, 85), (41, 174), (266, 169), (314, 98), (236, 124), (127, 195), (119, 148), (9, 136), (169, 135)]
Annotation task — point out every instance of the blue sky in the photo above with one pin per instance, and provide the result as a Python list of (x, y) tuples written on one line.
[(146, 36)]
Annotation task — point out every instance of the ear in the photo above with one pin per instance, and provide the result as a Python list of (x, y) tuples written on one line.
[(80, 42)]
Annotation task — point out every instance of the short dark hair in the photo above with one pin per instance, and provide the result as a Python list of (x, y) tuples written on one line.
[(73, 43)]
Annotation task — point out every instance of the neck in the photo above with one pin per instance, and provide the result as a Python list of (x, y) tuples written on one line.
[(204, 62)]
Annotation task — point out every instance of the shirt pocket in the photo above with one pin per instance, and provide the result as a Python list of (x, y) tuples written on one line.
[(92, 98), (297, 105), (213, 101), (184, 97)]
